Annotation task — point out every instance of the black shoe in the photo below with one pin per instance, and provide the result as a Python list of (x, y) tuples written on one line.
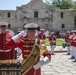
[(68, 54), (52, 54), (74, 60), (72, 57)]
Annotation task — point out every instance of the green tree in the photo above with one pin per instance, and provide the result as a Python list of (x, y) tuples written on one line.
[(74, 7), (63, 4)]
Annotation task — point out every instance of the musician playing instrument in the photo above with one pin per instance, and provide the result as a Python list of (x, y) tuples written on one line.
[(52, 39), (5, 52), (67, 40), (30, 51)]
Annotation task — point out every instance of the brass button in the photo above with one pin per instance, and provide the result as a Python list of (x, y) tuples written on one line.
[(4, 50)]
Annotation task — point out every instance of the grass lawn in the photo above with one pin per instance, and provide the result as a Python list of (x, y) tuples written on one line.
[(58, 41)]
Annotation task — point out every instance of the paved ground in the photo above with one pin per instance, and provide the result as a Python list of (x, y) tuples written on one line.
[(57, 48), (60, 64)]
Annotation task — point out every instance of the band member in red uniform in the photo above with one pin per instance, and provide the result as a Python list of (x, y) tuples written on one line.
[(72, 38), (73, 45), (41, 35), (52, 39), (67, 40), (27, 45), (5, 52)]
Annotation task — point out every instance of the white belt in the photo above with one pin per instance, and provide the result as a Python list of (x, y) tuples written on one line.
[(5, 50)]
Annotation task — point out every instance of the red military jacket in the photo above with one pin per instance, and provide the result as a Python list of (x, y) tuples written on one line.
[(73, 41), (5, 52), (41, 36), (67, 38), (52, 38), (26, 45)]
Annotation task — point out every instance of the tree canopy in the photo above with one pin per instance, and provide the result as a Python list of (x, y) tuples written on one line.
[(62, 4)]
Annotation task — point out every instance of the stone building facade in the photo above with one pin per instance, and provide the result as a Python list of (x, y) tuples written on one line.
[(37, 11)]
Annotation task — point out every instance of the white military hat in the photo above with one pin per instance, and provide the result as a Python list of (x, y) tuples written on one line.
[(31, 26), (3, 24), (52, 33), (18, 29), (42, 29), (68, 32)]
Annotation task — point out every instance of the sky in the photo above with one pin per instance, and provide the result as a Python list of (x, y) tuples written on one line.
[(11, 4)]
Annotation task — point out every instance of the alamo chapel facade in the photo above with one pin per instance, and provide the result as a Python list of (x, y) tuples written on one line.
[(36, 11)]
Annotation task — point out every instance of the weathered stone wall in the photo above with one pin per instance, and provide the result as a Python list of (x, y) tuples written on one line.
[(48, 17)]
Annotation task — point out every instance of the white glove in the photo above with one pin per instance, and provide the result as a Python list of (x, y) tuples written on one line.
[(16, 37), (74, 38), (46, 60), (19, 60), (41, 63)]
